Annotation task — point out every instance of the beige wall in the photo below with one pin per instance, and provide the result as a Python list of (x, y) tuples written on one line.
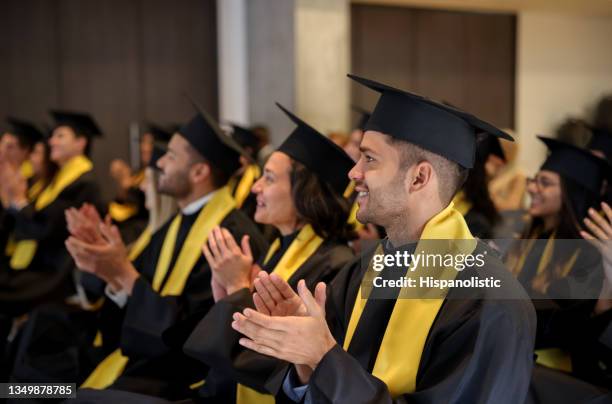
[(322, 62), (564, 64)]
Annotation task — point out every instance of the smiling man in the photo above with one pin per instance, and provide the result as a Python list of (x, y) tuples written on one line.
[(350, 347), (170, 280)]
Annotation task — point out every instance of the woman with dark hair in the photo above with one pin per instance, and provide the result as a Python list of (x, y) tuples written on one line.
[(474, 201), (562, 274), (301, 194), (44, 169), (565, 187)]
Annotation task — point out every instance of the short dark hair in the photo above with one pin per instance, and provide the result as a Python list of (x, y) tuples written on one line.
[(24, 141), (476, 190), (218, 176), (452, 176), (319, 205)]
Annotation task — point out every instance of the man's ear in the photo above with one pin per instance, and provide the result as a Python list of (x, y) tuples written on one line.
[(199, 172), (421, 175), (82, 142)]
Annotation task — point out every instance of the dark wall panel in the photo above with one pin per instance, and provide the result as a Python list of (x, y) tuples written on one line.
[(28, 58), (179, 55), (99, 69), (440, 57), (374, 30), (125, 61), (467, 59), (491, 67)]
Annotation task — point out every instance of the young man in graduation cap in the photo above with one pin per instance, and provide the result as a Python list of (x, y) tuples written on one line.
[(170, 279), (414, 157)]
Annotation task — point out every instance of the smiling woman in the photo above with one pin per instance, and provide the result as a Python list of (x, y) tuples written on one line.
[(568, 183), (301, 194)]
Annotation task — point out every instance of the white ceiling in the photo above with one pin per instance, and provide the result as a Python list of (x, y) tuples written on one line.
[(588, 7)]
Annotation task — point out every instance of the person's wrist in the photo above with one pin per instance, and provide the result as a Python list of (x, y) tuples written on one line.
[(237, 285), (19, 202), (327, 346), (128, 277), (303, 373)]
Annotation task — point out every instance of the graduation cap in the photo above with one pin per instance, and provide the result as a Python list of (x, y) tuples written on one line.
[(439, 128), (161, 134), (489, 145), (208, 139), (575, 163), (602, 141), (363, 116), (319, 154), (27, 132), (82, 123), (245, 137)]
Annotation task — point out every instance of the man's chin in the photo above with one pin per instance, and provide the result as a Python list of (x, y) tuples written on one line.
[(363, 217), (165, 191)]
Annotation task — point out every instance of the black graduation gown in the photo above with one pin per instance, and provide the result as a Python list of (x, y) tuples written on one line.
[(477, 350), (49, 274), (568, 324), (550, 386), (478, 224), (215, 343), (7, 223), (133, 226), (154, 368)]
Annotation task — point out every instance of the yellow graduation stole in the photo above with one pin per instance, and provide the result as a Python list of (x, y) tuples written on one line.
[(68, 174), (120, 212), (248, 178), (412, 317), (302, 248), (140, 244), (461, 203), (36, 189), (213, 213), (26, 170), (352, 219)]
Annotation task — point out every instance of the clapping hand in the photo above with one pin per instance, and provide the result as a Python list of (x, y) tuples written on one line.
[(231, 265)]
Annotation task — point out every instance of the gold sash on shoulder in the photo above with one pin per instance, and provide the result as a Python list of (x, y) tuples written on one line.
[(248, 178), (461, 203), (140, 244), (77, 166), (398, 358)]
